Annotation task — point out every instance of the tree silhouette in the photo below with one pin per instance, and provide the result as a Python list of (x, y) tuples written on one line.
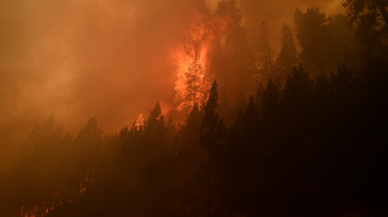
[(266, 53), (288, 53), (314, 37), (372, 17), (211, 135), (240, 69)]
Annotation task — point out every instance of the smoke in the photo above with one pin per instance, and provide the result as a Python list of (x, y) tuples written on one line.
[(277, 12), (77, 59)]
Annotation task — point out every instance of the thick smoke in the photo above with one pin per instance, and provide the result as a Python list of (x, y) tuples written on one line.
[(111, 59), (276, 12)]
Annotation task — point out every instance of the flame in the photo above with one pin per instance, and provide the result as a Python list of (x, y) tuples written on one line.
[(140, 120), (43, 209), (204, 34), (184, 62), (165, 107)]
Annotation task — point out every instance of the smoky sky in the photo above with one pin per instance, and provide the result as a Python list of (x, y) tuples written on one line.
[(111, 59)]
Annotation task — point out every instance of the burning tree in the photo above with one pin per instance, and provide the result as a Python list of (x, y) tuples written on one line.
[(197, 81)]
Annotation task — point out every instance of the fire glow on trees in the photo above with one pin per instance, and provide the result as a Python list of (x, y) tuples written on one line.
[(193, 52)]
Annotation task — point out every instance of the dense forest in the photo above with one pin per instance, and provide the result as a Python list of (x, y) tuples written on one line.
[(297, 134)]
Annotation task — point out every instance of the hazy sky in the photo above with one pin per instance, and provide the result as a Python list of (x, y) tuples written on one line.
[(109, 58)]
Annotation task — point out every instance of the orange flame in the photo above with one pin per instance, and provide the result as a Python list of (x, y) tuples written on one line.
[(140, 120)]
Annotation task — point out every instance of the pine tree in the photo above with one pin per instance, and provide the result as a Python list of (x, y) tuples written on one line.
[(250, 119), (266, 53), (191, 132), (270, 97), (259, 96), (345, 49), (372, 19), (239, 103), (287, 56), (240, 68), (212, 133), (154, 136), (196, 82), (314, 37), (193, 122), (224, 108), (299, 88), (297, 96)]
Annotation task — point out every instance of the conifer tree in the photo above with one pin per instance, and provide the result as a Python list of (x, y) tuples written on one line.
[(250, 119), (197, 81), (154, 136), (193, 122), (287, 56), (299, 88), (259, 96), (212, 133), (372, 19), (266, 53), (240, 69), (191, 134), (239, 103), (314, 36), (270, 97)]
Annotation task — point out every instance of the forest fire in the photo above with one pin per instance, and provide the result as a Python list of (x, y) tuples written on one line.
[(243, 123)]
